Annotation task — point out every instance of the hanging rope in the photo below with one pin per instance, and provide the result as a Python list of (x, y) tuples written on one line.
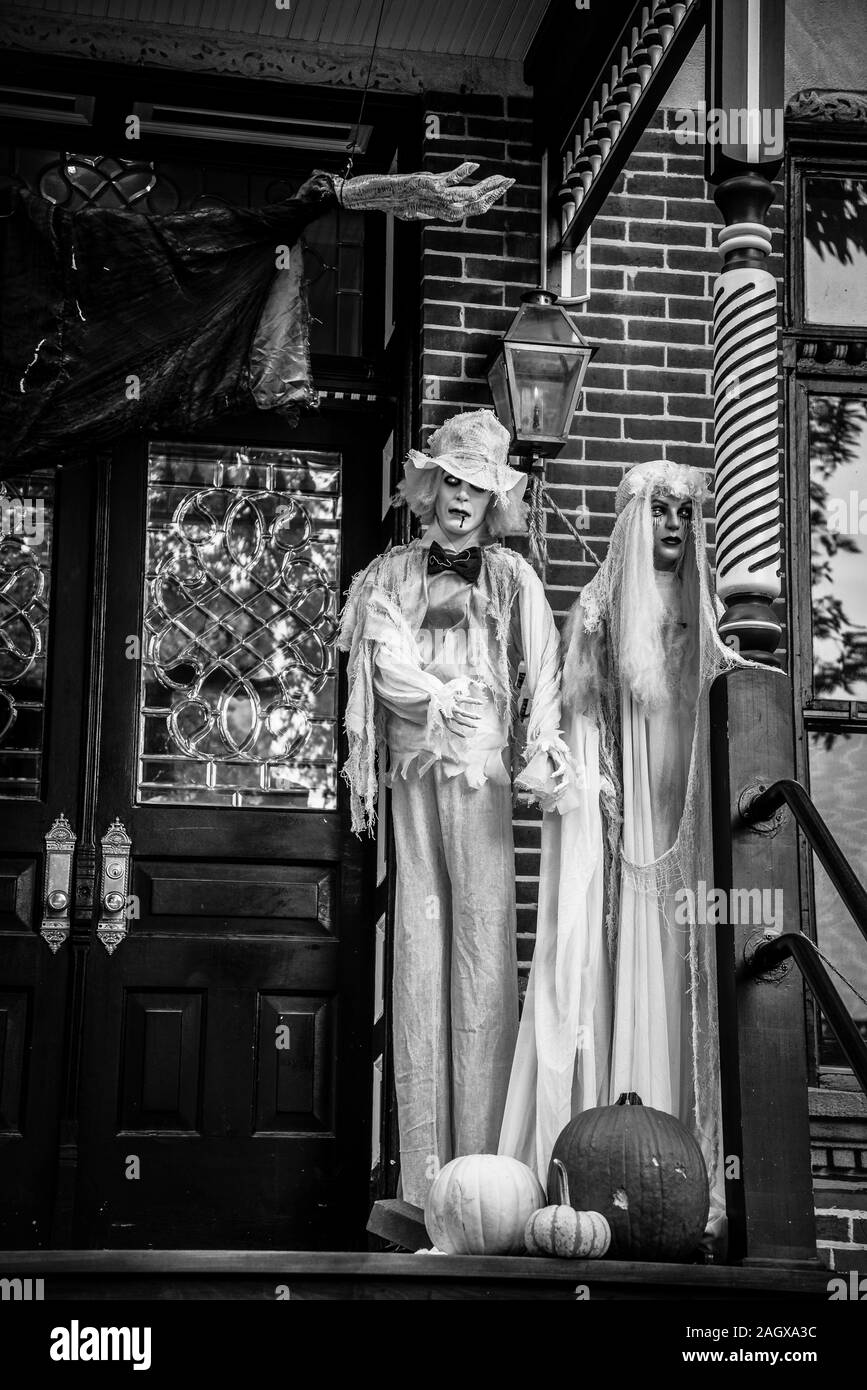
[(348, 170), (540, 498), (536, 525), (838, 973)]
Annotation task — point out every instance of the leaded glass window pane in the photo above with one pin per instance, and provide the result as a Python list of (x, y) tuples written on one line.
[(239, 683), (26, 554)]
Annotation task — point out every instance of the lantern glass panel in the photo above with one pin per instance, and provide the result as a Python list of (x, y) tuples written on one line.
[(498, 383), (545, 386), (540, 323)]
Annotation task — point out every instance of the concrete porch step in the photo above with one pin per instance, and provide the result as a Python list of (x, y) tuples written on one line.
[(268, 1275)]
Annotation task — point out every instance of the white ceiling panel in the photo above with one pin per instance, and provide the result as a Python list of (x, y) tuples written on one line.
[(464, 28)]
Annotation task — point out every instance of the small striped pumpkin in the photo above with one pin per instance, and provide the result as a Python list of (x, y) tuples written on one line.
[(565, 1233), (479, 1205)]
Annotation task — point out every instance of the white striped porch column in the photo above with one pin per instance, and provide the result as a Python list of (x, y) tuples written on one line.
[(746, 422)]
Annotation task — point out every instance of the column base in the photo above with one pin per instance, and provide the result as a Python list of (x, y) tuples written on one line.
[(750, 626)]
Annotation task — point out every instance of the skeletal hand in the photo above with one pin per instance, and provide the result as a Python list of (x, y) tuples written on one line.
[(465, 716), (560, 773), (416, 197)]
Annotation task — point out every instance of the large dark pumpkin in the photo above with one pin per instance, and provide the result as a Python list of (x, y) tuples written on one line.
[(643, 1171)]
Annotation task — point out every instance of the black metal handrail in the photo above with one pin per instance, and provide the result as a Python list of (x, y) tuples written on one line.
[(762, 807), (771, 952)]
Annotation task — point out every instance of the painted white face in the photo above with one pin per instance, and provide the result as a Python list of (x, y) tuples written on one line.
[(672, 517), (460, 510)]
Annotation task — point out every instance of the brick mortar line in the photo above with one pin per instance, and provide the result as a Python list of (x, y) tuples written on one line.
[(461, 230), (635, 296), (595, 390)]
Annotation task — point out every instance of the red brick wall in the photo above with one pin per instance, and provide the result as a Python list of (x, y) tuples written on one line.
[(647, 393), (473, 278), (839, 1141), (473, 274)]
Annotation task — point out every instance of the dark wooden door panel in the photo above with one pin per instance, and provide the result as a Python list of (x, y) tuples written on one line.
[(296, 1045), (16, 1010), (266, 835), (216, 1080), (43, 676), (226, 1070), (162, 1056), (268, 898), (32, 1041), (18, 888)]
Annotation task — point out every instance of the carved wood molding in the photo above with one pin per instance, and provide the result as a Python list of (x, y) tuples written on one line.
[(845, 357), (210, 51), (629, 88), (820, 104)]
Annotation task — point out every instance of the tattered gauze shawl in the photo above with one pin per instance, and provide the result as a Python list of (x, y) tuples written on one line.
[(385, 604)]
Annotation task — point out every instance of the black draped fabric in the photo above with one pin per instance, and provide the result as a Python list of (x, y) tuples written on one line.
[(114, 322)]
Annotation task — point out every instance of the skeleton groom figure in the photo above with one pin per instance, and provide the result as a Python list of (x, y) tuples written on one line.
[(435, 631)]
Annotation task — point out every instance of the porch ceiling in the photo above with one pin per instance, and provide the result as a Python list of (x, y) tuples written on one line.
[(499, 29)]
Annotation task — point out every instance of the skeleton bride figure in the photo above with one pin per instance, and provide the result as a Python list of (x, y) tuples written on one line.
[(622, 991)]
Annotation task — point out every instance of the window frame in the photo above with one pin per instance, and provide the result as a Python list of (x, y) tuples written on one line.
[(827, 164), (818, 359)]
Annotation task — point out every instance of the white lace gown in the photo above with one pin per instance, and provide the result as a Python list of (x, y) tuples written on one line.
[(587, 1035), (651, 1048)]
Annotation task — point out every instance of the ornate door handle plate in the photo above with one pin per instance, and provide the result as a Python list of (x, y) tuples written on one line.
[(59, 852), (114, 886)]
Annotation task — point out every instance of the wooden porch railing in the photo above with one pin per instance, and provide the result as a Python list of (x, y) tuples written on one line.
[(771, 953), (763, 1046)]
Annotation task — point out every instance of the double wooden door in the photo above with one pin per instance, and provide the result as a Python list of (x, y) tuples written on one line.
[(186, 945)]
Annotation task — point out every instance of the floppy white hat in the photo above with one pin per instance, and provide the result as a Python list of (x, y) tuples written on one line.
[(473, 446)]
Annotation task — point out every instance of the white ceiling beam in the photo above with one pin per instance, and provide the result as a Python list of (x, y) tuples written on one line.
[(204, 50)]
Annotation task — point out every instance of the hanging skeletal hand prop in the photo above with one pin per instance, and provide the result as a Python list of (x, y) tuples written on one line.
[(127, 320), (417, 197)]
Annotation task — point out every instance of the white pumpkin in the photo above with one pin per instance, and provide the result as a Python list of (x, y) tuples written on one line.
[(479, 1205)]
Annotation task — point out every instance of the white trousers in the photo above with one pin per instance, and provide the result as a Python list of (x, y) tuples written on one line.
[(455, 992)]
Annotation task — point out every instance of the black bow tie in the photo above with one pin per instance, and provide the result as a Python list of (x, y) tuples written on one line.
[(468, 563)]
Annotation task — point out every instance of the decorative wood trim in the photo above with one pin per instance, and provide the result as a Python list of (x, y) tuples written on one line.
[(83, 521), (210, 51), (329, 395), (822, 104), (825, 356), (648, 51)]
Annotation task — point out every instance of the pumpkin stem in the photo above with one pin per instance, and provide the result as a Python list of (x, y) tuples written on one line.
[(563, 1182), (629, 1098)]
